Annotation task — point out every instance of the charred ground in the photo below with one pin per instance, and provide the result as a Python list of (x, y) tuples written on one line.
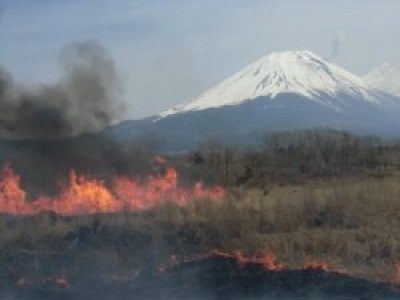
[(317, 195), (221, 277)]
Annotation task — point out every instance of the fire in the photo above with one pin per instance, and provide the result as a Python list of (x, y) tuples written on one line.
[(270, 262), (267, 261), (88, 196), (12, 197), (317, 265), (83, 195)]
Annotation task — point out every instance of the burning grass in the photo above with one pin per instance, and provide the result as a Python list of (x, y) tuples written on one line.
[(343, 226), (217, 275), (87, 196)]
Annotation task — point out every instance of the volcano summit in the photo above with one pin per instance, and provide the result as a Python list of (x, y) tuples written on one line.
[(289, 72), (281, 91)]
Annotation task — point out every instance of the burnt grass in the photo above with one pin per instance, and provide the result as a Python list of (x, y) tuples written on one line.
[(329, 197), (220, 278), (352, 225)]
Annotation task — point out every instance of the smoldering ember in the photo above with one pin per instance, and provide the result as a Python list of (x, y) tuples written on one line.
[(279, 181)]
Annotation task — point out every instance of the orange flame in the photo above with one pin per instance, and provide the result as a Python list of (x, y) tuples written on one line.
[(317, 266), (88, 196), (268, 261), (12, 197)]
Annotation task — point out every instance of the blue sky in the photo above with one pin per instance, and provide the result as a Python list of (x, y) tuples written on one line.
[(169, 51)]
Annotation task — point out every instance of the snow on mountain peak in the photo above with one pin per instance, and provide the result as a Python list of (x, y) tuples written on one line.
[(298, 72), (386, 77)]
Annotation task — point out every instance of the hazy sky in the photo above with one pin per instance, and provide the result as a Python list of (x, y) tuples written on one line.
[(169, 51)]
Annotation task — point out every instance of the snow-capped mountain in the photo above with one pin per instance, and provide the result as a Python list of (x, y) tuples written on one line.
[(295, 72), (282, 91), (386, 77)]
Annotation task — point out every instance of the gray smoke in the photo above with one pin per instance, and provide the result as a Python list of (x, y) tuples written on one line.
[(84, 99), (337, 45)]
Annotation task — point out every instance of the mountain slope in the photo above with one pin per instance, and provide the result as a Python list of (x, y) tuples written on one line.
[(298, 72), (386, 77), (282, 91)]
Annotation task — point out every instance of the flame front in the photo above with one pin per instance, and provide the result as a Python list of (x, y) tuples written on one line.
[(89, 196), (317, 265)]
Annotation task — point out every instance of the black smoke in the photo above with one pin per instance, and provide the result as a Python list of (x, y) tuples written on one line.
[(84, 99), (47, 130)]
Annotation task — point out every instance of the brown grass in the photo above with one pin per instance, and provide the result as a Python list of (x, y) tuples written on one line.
[(351, 224)]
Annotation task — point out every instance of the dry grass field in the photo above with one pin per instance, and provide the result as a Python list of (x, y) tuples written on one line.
[(351, 224)]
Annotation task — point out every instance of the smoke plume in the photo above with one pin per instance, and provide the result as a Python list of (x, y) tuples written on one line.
[(84, 99), (40, 127), (337, 45)]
